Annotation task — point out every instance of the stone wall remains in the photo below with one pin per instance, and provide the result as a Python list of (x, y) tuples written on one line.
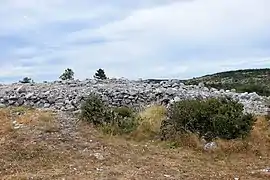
[(68, 95)]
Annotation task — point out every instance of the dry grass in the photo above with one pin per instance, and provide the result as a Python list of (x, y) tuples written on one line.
[(47, 122), (6, 123), (21, 150), (29, 153), (189, 141), (28, 116), (257, 143), (149, 122)]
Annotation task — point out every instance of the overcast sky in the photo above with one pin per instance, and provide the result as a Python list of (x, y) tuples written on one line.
[(132, 39)]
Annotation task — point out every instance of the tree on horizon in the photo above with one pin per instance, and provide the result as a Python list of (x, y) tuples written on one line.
[(67, 75), (100, 74), (26, 80)]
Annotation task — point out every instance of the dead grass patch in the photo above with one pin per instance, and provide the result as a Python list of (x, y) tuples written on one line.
[(189, 141), (148, 160), (47, 121), (28, 155), (257, 143), (21, 151), (21, 109), (149, 122), (20, 156), (6, 123)]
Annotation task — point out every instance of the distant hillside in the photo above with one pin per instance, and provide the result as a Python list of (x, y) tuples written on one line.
[(247, 80)]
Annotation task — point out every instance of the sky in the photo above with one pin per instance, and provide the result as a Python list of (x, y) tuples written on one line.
[(132, 39)]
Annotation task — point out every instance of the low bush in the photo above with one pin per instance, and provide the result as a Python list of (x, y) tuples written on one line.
[(124, 112), (120, 126), (113, 121), (95, 111), (211, 118)]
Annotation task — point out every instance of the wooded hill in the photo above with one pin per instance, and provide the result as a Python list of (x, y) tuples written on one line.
[(246, 80)]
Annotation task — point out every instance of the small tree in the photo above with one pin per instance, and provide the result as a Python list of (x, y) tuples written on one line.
[(67, 75), (26, 80), (100, 74)]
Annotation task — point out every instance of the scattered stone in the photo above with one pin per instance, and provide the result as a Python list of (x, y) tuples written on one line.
[(99, 156), (166, 175), (47, 105), (210, 146), (265, 172), (201, 85), (16, 125), (68, 95), (29, 95), (2, 105), (20, 101), (21, 89)]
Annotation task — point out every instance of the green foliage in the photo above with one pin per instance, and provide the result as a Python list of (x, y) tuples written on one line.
[(95, 110), (260, 89), (172, 145), (126, 121), (124, 112), (111, 120), (21, 109), (247, 80), (26, 80), (121, 125), (67, 75), (211, 118), (100, 74)]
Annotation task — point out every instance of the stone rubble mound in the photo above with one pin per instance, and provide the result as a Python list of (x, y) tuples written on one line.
[(68, 95)]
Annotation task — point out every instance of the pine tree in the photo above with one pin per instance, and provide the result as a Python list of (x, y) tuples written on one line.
[(26, 80), (100, 74), (67, 75)]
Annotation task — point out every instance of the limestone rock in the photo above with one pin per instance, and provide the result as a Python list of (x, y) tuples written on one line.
[(68, 95)]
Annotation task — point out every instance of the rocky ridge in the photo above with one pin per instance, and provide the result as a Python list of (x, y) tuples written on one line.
[(68, 95)]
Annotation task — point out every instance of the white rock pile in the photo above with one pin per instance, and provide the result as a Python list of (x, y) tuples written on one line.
[(68, 95)]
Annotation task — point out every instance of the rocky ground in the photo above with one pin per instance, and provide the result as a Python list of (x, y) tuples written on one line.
[(68, 95), (44, 145)]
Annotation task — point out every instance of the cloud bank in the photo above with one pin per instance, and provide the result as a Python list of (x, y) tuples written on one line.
[(140, 39)]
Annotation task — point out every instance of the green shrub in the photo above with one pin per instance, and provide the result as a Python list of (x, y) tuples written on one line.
[(121, 125), (211, 118), (111, 120), (95, 111), (124, 111)]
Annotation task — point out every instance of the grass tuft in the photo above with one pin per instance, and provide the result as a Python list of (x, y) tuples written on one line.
[(149, 122), (46, 120)]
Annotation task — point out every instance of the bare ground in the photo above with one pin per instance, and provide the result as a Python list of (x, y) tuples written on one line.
[(53, 146)]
